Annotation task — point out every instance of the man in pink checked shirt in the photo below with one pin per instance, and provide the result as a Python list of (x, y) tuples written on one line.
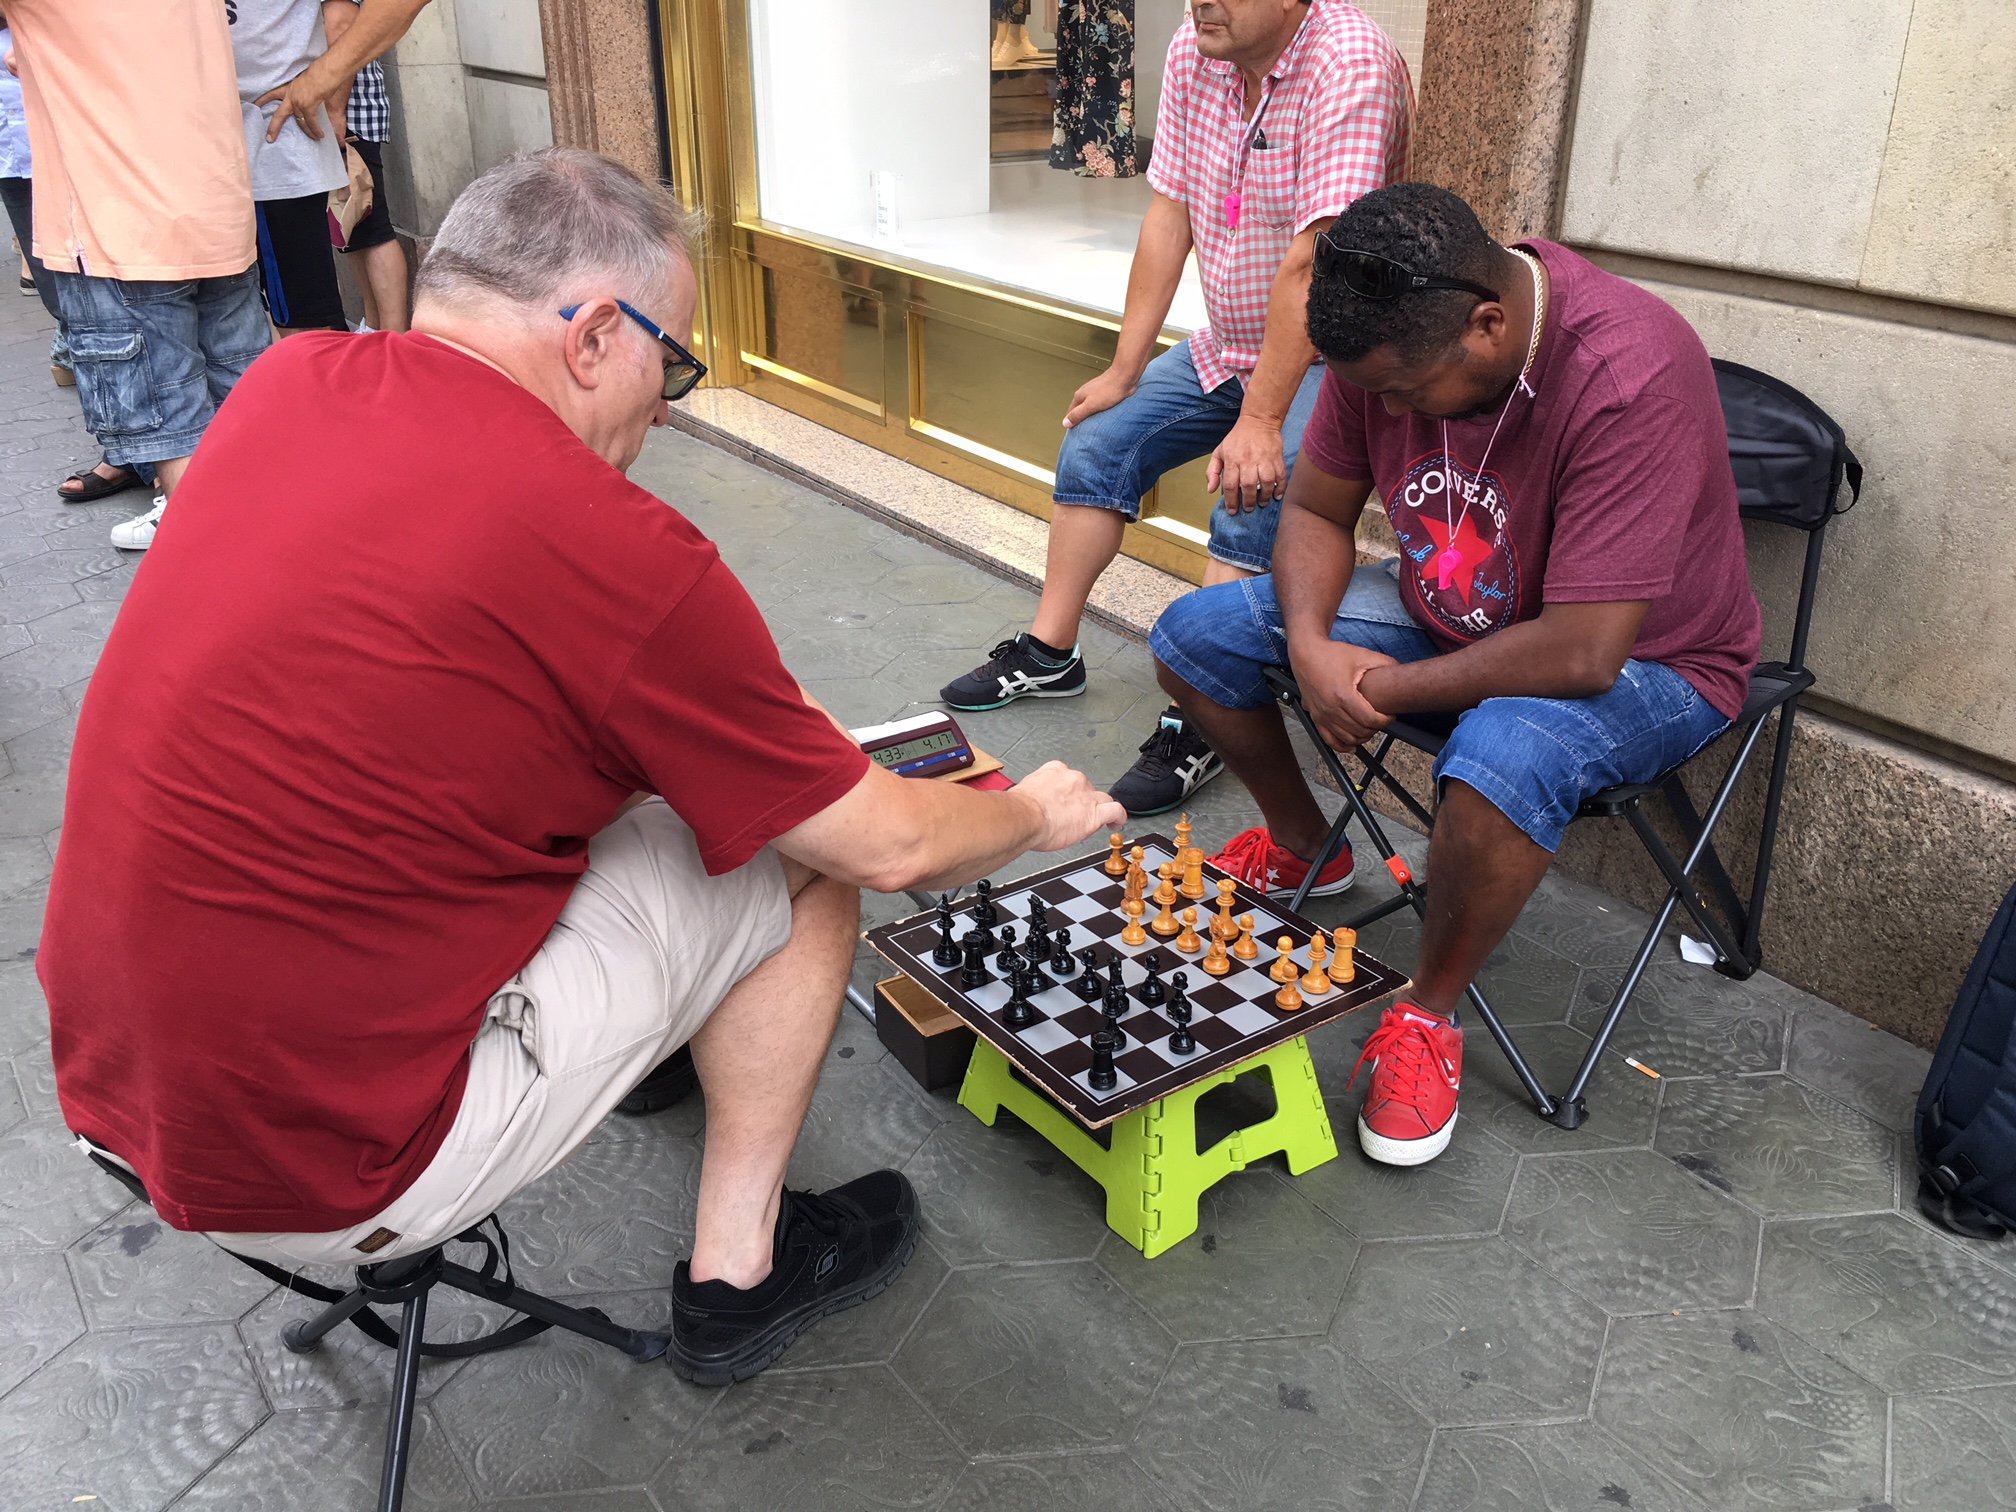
[(1275, 116)]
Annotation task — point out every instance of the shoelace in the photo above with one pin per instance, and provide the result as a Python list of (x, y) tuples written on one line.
[(1158, 751), (1245, 858), (1404, 1052), (999, 658), (817, 1209)]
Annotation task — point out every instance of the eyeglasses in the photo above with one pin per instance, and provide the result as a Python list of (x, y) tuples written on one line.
[(1370, 276), (686, 369)]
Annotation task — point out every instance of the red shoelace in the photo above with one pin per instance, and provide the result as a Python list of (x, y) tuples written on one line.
[(1404, 1052), (1246, 857)]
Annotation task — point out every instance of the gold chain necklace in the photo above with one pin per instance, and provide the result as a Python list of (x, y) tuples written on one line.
[(1539, 309)]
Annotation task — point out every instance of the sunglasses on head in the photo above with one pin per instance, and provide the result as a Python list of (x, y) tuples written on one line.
[(1370, 276), (685, 371)]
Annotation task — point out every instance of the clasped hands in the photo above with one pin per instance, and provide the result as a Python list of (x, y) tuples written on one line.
[(1329, 674)]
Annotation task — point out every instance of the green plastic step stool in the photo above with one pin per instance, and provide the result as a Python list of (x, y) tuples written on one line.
[(1152, 1170)]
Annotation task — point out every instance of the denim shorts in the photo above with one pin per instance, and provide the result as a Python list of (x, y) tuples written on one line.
[(1111, 459), (155, 359), (1534, 759)]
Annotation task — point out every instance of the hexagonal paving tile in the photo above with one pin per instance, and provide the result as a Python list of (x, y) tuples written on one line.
[(1953, 1452), (1034, 1359), (24, 1012), (42, 1314), (1909, 1309), (1743, 1414), (1689, 1021), (1553, 1466), (872, 1332), (1852, 1060), (1470, 1331), (1283, 1423), (52, 1195), (564, 1413), (1632, 1231), (1004, 1193), (337, 1454), (1525, 982), (1461, 1191), (831, 1439), (1586, 926), (1262, 1262), (177, 1398), (137, 1271), (1623, 1105), (610, 1216), (1781, 1148), (1111, 1482), (35, 1072)]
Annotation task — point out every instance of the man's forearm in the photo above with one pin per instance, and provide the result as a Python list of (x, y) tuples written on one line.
[(1285, 351), (1159, 254), (1314, 558), (377, 26), (1526, 660), (338, 16)]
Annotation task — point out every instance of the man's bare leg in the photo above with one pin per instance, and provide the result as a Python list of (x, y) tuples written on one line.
[(168, 475), (758, 1056), (384, 281), (1256, 749), (1481, 869), (1084, 539)]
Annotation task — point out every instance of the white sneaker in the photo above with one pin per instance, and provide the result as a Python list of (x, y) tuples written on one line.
[(138, 535)]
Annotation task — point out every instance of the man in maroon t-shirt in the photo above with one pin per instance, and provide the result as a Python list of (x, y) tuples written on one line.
[(361, 923), (1550, 449)]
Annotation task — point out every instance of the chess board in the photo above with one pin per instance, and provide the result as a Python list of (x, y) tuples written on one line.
[(1233, 1019)]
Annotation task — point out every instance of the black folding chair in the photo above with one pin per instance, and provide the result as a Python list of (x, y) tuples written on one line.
[(406, 1282), (1790, 460)]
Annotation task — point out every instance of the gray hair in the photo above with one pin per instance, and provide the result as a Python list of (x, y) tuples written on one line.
[(557, 224)]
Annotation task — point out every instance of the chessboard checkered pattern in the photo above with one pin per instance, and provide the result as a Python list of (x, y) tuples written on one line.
[(1233, 1016)]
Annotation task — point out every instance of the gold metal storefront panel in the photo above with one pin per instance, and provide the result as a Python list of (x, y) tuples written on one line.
[(967, 379)]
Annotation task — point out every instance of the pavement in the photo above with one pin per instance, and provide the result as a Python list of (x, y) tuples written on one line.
[(1709, 1297)]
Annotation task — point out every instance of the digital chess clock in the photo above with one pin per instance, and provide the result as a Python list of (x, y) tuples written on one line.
[(923, 745)]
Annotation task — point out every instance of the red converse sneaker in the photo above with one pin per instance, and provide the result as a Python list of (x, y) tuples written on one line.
[(1254, 858), (1417, 1067)]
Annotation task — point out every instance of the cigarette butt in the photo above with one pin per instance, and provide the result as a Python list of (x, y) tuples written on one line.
[(1640, 1066)]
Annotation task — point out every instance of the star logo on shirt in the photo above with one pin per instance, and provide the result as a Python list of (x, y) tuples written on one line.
[(1459, 551)]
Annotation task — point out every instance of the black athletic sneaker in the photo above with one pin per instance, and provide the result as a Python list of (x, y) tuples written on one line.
[(672, 1080), (1174, 763), (1015, 669), (833, 1250)]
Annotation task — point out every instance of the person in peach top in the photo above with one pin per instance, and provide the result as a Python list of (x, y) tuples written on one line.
[(144, 218)]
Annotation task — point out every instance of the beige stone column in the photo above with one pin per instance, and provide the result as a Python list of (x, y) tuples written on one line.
[(598, 71), (1497, 82)]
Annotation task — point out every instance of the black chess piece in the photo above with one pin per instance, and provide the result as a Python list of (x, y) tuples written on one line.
[(1152, 992), (947, 954), (1102, 1076), (975, 973), (1088, 986), (985, 914), (1116, 972), (1007, 947), (1061, 964), (1017, 1013), (1116, 1004), (1037, 948), (1039, 917), (1178, 1009)]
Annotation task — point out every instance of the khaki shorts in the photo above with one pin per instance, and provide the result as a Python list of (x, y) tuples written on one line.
[(646, 947)]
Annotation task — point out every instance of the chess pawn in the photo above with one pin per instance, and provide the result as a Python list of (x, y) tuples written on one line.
[(1007, 948), (985, 914), (1288, 999), (1224, 926), (1087, 984), (1188, 942), (1347, 957), (1193, 873), (1216, 962), (1061, 964), (1134, 934), (1165, 923), (1116, 863), (1245, 946), (1178, 1010), (1314, 981), (1284, 968)]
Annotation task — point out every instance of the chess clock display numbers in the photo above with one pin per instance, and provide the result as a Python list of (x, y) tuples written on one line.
[(922, 745)]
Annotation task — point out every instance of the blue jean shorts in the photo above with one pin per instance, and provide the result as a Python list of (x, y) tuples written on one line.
[(1534, 759), (155, 359), (1111, 459)]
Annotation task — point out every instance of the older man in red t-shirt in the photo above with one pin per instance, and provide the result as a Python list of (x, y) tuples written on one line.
[(360, 924), (1549, 445)]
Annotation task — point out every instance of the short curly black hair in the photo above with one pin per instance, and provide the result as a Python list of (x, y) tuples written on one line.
[(1428, 229)]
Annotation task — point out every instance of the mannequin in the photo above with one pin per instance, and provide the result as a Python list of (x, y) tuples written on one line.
[(1012, 46)]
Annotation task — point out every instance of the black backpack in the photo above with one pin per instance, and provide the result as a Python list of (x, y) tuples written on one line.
[(1966, 1125)]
